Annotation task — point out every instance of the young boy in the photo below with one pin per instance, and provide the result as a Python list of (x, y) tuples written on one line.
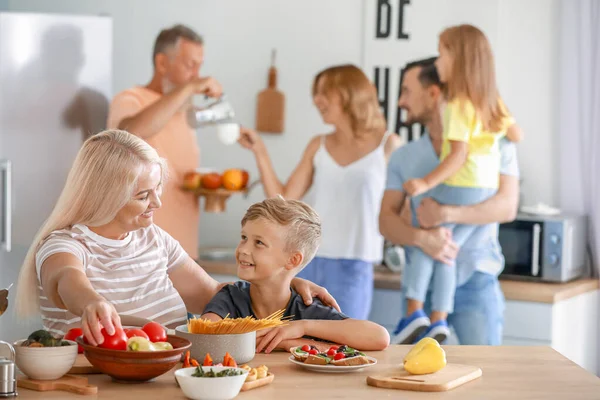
[(279, 237)]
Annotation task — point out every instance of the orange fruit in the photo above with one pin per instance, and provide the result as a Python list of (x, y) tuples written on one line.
[(235, 179)]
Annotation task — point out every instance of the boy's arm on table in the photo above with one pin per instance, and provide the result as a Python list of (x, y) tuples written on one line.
[(358, 334)]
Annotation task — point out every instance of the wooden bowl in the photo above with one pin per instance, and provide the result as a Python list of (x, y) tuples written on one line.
[(216, 199), (135, 366)]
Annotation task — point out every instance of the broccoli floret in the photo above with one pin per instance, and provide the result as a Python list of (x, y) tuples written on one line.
[(40, 335), (44, 338)]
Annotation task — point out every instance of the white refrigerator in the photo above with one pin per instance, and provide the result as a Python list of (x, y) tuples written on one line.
[(55, 87)]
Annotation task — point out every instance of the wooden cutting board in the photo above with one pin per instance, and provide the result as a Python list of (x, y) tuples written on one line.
[(68, 383), (83, 366), (450, 377), (258, 383), (270, 107)]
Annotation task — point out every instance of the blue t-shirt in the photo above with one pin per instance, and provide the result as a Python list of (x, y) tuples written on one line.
[(234, 301), (416, 159)]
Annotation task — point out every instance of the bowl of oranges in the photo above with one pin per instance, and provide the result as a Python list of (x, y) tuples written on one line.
[(216, 187)]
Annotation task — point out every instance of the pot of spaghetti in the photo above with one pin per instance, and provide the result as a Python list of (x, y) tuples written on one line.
[(236, 336)]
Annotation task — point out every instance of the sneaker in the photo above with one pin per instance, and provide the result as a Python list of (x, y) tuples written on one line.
[(410, 328), (438, 330)]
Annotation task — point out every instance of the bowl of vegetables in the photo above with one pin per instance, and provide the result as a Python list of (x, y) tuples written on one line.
[(131, 356), (218, 383), (44, 357)]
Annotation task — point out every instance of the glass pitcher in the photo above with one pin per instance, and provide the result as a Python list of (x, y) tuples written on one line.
[(218, 112)]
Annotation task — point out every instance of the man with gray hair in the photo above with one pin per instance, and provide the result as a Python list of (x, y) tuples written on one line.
[(156, 113)]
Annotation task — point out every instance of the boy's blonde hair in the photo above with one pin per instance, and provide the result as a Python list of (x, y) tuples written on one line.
[(303, 223)]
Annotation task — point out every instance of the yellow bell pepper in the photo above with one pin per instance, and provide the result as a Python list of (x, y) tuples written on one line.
[(162, 346), (417, 347), (429, 358), (137, 343)]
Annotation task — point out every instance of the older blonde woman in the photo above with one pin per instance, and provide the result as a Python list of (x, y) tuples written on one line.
[(99, 254), (346, 172)]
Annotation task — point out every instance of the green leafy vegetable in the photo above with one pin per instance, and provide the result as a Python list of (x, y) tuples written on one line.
[(200, 373), (43, 338)]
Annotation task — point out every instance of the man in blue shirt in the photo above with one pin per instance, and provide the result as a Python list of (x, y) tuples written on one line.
[(479, 303)]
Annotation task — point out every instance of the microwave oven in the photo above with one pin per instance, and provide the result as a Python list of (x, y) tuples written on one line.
[(544, 248)]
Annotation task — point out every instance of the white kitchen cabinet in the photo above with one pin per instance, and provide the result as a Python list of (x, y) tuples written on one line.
[(569, 326)]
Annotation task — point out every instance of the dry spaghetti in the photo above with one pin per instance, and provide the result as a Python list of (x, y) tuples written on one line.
[(230, 326)]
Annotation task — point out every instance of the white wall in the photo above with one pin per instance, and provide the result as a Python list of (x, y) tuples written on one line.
[(310, 35), (527, 64)]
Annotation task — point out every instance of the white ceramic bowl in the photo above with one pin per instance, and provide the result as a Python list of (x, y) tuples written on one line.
[(45, 363), (242, 347), (223, 388)]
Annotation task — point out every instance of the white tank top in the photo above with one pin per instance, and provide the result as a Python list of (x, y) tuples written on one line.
[(348, 199)]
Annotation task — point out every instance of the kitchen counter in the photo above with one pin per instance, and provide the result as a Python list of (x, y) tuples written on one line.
[(536, 292), (508, 373)]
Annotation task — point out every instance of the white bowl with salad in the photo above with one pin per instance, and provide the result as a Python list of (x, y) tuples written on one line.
[(211, 383)]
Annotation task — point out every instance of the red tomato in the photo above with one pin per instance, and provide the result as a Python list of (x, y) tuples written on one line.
[(118, 341), (314, 352), (331, 353), (73, 334), (136, 332), (339, 356), (334, 348), (155, 332), (305, 348)]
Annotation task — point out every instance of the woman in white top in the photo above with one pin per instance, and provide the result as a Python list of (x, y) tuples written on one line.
[(346, 170), (99, 255)]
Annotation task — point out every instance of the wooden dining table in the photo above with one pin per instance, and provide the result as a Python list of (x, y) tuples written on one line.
[(509, 372)]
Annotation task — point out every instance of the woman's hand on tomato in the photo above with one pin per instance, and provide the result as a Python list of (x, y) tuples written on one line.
[(97, 316), (155, 331), (118, 341)]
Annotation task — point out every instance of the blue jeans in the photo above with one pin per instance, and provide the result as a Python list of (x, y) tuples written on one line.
[(422, 272), (478, 316), (350, 282)]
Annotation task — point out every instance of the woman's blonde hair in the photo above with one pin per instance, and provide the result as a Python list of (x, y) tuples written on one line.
[(358, 95), (101, 181), (473, 74)]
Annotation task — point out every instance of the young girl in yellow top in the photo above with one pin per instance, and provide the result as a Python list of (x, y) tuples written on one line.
[(474, 120)]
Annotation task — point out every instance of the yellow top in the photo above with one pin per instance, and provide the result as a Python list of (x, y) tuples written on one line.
[(482, 167)]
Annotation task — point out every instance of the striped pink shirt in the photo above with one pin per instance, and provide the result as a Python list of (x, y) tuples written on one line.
[(132, 273)]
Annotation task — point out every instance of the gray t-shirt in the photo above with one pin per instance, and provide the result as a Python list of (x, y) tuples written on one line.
[(234, 301)]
